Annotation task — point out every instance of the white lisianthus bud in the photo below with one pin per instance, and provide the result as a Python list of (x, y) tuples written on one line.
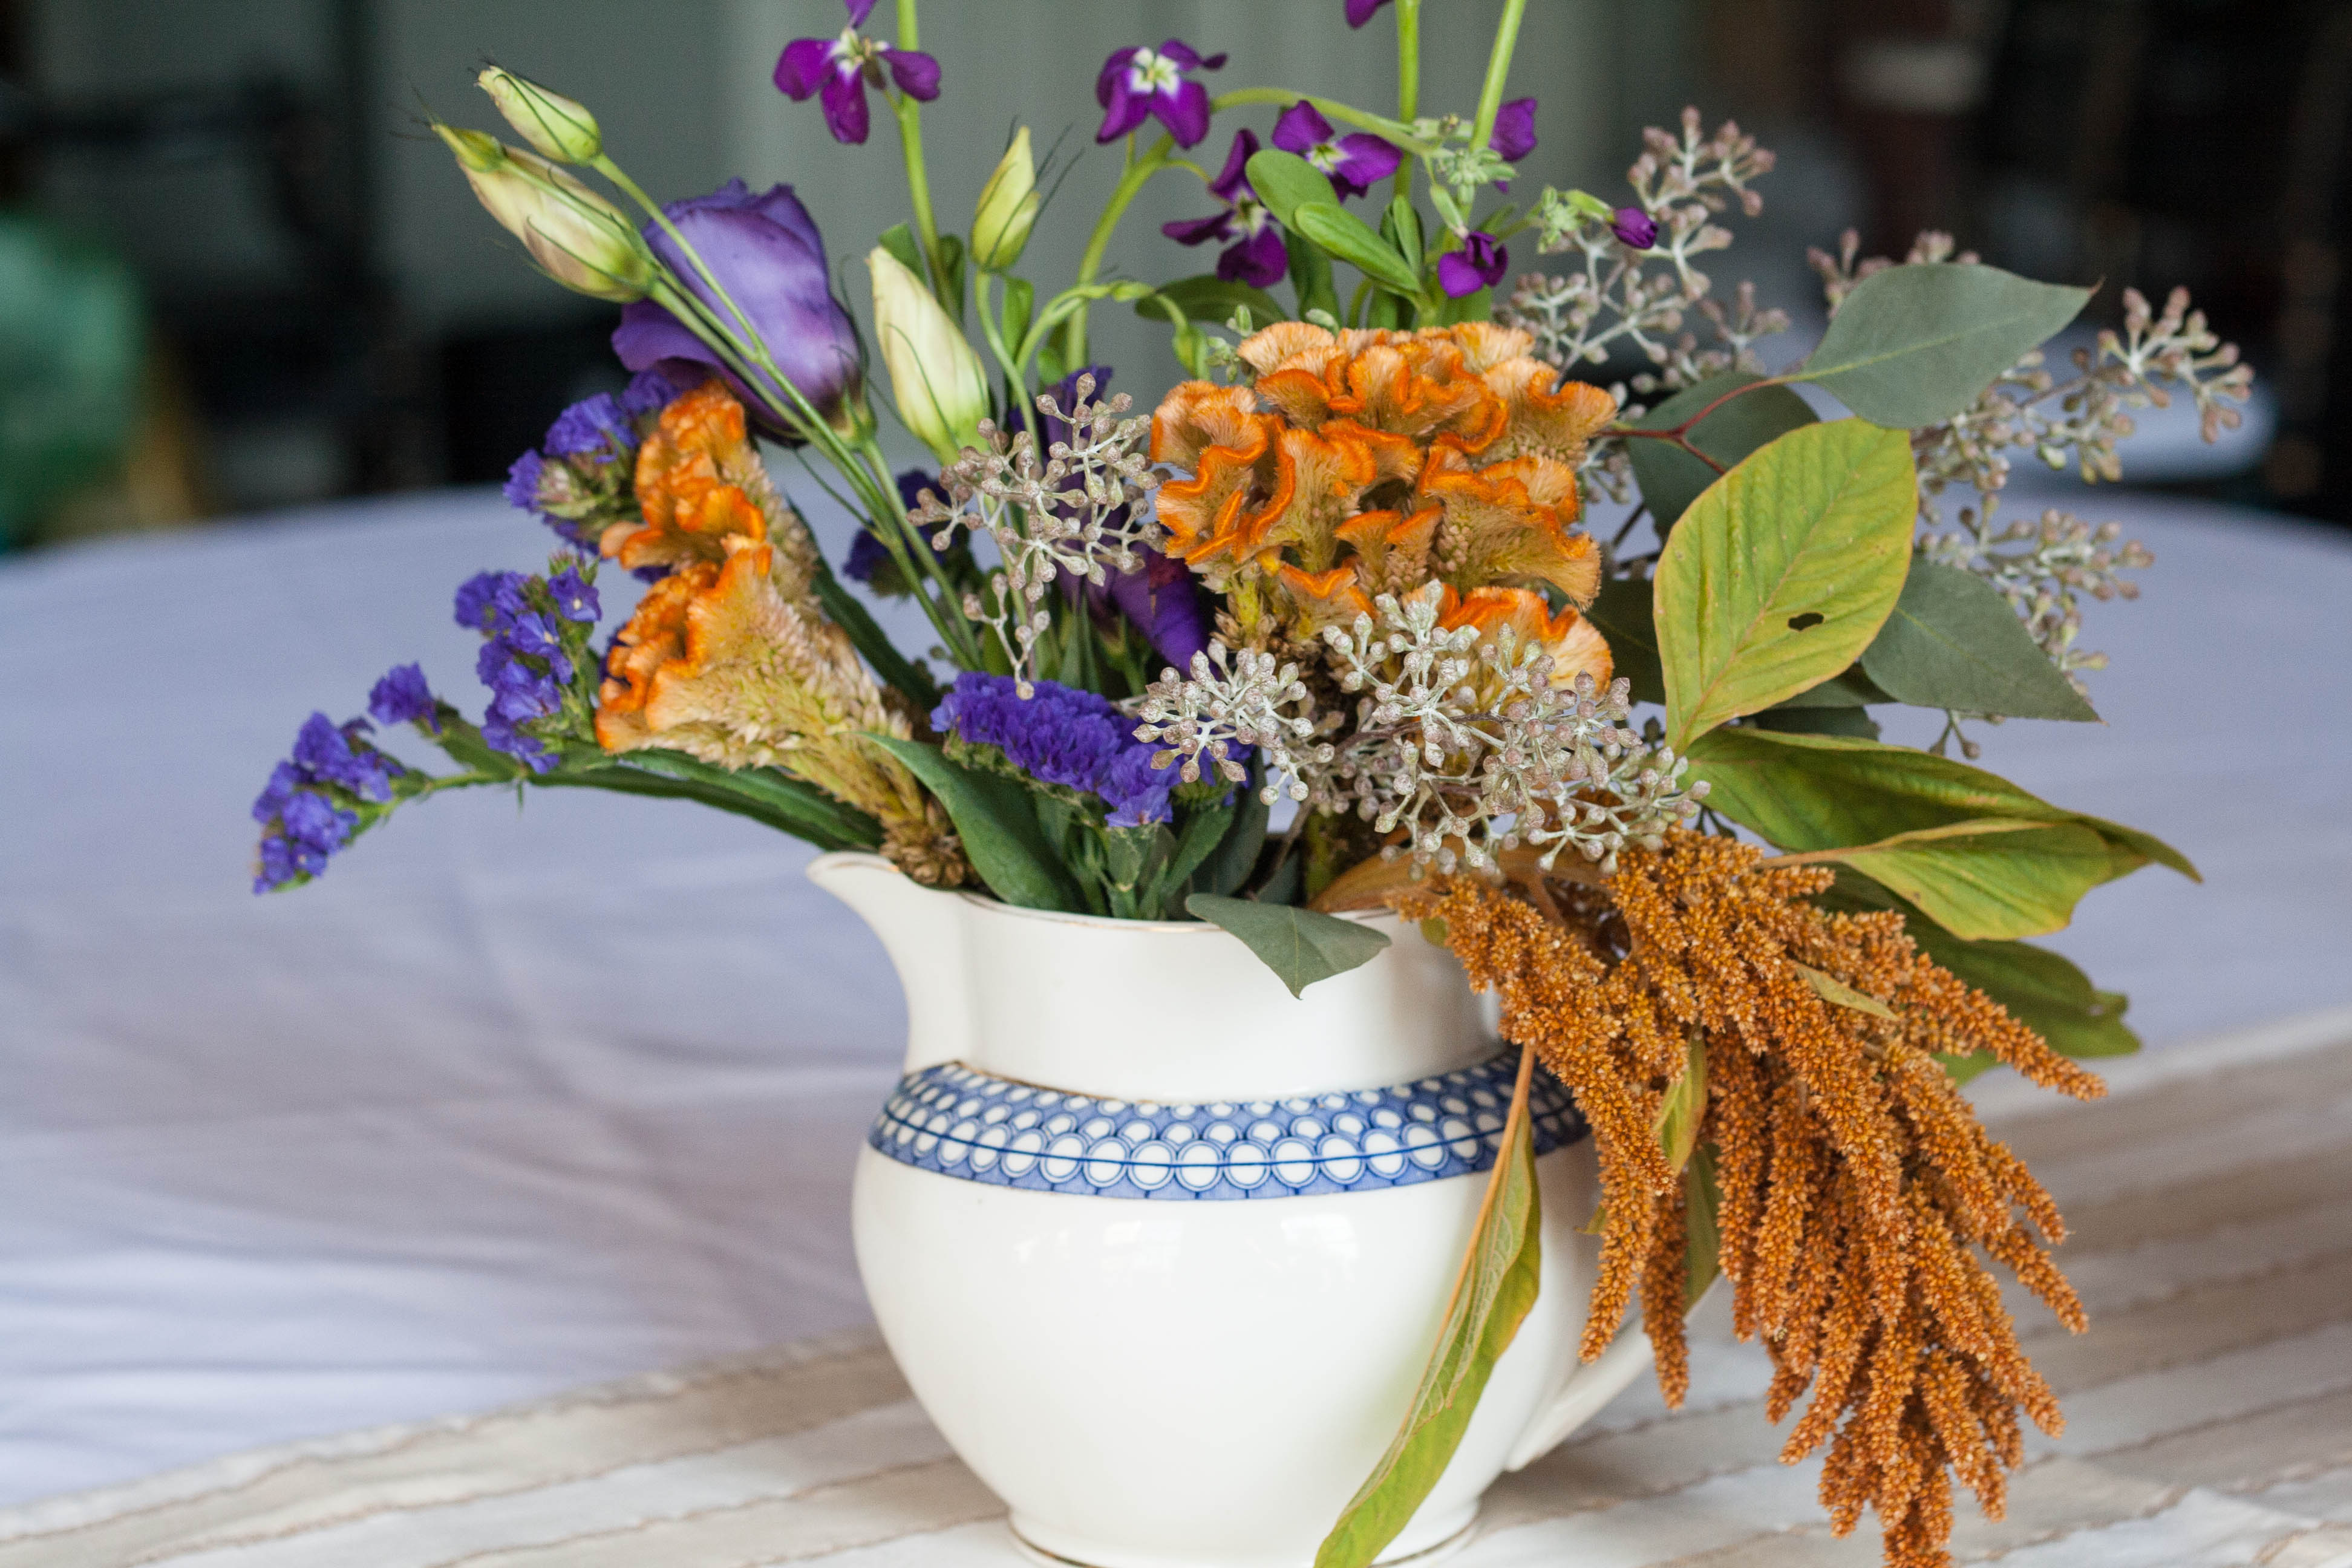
[(941, 391), (1007, 209), (557, 127), (576, 237)]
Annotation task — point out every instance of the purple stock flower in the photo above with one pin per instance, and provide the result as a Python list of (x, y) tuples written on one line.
[(766, 252), (1514, 130), (1139, 84), (1361, 11), (1354, 162), (1635, 228), (1256, 255), (1479, 264), (838, 71), (402, 697), (1061, 735)]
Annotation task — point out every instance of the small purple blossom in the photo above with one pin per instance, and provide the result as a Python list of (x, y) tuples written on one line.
[(1139, 84), (1061, 735), (1635, 228), (524, 661), (574, 597), (593, 427), (1361, 11), (401, 697), (522, 482), (1479, 264), (838, 71), (1514, 130), (302, 824), (480, 596), (328, 753), (650, 392), (1354, 163), (1256, 255)]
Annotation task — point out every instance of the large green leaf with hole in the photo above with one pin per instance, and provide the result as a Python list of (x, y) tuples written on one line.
[(1954, 642), (1671, 479), (1914, 345), (1783, 572)]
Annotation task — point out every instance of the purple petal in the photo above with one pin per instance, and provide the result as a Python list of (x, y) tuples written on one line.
[(1185, 112), (1232, 183), (1301, 128), (1184, 55), (801, 70), (1114, 70), (1633, 227), (844, 96), (1479, 264), (1366, 160), (1261, 259), (1167, 601), (858, 11), (1514, 130), (1184, 231), (1124, 110), (917, 74), (1361, 11)]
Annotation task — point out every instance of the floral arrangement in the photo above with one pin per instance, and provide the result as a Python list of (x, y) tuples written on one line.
[(1632, 782)]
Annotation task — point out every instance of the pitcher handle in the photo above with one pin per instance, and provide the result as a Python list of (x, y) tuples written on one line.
[(1588, 1386)]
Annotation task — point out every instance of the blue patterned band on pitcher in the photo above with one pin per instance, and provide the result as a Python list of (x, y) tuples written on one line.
[(959, 1122)]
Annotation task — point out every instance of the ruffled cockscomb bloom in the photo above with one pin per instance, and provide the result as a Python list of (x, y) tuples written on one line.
[(1140, 84), (314, 801), (1254, 253), (1363, 463), (838, 71), (578, 479), (700, 482), (1354, 162), (1059, 735)]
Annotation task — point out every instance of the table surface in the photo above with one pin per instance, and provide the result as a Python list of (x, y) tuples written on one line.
[(520, 1099)]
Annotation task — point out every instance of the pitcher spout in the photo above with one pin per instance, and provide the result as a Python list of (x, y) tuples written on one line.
[(922, 931)]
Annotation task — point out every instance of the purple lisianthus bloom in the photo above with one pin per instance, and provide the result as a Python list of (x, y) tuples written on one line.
[(1139, 84), (1256, 255), (838, 71), (766, 252), (1514, 130), (1061, 735), (1354, 162), (1635, 228), (1479, 264), (1165, 599), (402, 697), (1361, 11)]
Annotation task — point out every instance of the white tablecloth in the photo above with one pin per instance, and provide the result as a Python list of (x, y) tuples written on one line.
[(517, 1099)]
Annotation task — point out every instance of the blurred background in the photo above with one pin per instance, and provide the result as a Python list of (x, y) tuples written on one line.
[(236, 275)]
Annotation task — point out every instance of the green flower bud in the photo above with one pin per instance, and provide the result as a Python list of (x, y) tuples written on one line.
[(941, 391), (476, 149), (1007, 210), (556, 127), (576, 237)]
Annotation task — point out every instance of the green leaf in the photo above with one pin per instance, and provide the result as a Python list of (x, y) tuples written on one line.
[(1795, 717), (1301, 946), (899, 241), (1848, 689), (1209, 298), (2040, 989), (1702, 1199), (952, 270), (1955, 642), (1311, 278), (1401, 227), (1497, 1285), (1353, 241), (770, 798), (1838, 994), (1783, 572), (1622, 613), (1235, 856), (1020, 309), (1204, 829), (1286, 182), (894, 668), (998, 825), (1670, 477), (1914, 345), (1684, 1109), (1980, 855)]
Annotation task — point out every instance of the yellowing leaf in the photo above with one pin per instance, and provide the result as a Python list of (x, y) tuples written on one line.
[(1837, 992), (1783, 572), (1684, 1107)]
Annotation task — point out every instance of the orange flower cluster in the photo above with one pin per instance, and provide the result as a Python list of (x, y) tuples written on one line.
[(700, 482), (1363, 463), (1851, 1183)]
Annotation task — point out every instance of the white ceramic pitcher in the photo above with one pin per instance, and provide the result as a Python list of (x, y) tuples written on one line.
[(1162, 1250)]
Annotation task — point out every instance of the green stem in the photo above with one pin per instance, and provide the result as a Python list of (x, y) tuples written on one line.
[(1330, 108), (1137, 174), (910, 113), (994, 331), (1408, 80), (1498, 67)]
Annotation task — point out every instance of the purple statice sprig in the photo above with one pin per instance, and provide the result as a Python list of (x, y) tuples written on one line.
[(581, 478), (1062, 738), (331, 787), (535, 657)]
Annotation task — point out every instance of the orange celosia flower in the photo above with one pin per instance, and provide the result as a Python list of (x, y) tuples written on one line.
[(700, 482), (1575, 645), (1361, 463)]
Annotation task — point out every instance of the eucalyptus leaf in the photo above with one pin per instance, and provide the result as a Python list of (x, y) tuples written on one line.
[(1955, 642), (1670, 477), (1286, 182), (1622, 613), (1914, 345), (1783, 572), (1301, 946), (1343, 234), (998, 824), (1496, 1285)]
